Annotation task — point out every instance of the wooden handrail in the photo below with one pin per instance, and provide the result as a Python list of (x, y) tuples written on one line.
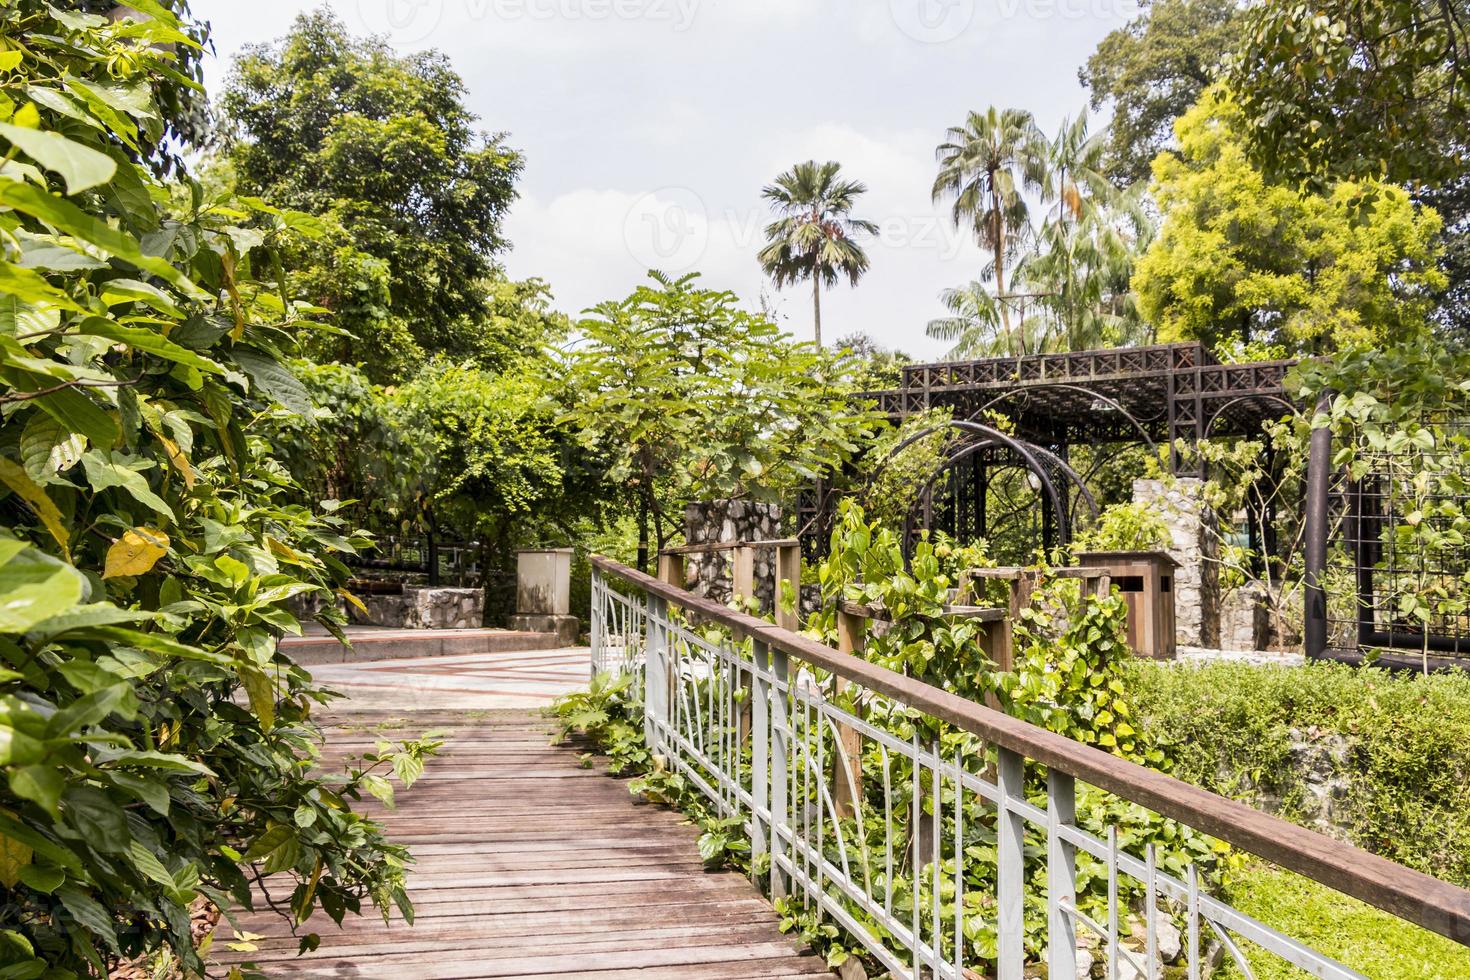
[(1411, 895)]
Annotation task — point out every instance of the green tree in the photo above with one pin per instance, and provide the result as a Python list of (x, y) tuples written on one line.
[(986, 166), (1070, 278), (1151, 70), (815, 236), (1342, 90), (682, 396), (383, 145), (155, 747), (1241, 259)]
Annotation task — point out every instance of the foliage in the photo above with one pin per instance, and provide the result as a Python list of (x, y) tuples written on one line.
[(986, 167), (1069, 678), (891, 479), (1377, 943), (1151, 70), (1125, 527), (383, 145), (609, 717), (815, 236), (1241, 259), (875, 367), (1401, 415), (1070, 272), (488, 445), (684, 396), (1399, 741), (155, 746), (1349, 91)]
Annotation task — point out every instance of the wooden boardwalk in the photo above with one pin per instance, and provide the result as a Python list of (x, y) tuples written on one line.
[(530, 866)]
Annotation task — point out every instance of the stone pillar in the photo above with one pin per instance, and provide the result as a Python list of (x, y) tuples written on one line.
[(543, 594), (719, 521), (1195, 545)]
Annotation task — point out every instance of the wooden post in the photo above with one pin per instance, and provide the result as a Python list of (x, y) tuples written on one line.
[(847, 783), (742, 573), (788, 569), (671, 571)]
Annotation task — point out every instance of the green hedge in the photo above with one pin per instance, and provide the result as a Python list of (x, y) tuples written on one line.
[(1401, 742)]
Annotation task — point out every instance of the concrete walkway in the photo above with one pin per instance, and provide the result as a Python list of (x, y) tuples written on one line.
[(481, 681)]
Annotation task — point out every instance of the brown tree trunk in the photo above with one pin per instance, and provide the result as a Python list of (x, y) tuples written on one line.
[(1000, 274)]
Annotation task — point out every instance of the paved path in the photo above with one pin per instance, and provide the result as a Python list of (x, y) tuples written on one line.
[(528, 865), (483, 681)]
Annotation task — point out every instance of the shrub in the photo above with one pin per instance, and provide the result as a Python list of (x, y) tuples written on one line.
[(1402, 743)]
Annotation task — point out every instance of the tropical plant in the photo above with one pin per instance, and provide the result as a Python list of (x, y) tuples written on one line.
[(815, 236), (1241, 259), (156, 749), (682, 395), (986, 166), (383, 145), (1150, 71), (1070, 275)]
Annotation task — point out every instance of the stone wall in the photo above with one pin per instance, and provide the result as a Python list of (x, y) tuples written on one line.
[(1195, 545), (718, 521), (420, 607)]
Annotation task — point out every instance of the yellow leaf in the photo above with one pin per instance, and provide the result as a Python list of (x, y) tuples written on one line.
[(262, 694), (284, 552), (181, 462), (354, 600), (14, 476), (136, 552), (13, 856)]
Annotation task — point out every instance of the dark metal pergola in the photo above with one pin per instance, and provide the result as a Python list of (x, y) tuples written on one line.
[(1172, 394), (1166, 393)]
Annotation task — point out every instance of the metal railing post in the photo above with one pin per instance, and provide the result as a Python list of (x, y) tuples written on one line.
[(599, 610), (779, 746), (1061, 875), (656, 671), (1010, 892), (760, 754)]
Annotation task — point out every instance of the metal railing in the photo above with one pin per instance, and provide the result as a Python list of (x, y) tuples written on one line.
[(765, 724)]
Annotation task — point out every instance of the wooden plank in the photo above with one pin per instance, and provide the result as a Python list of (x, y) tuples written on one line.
[(527, 864)]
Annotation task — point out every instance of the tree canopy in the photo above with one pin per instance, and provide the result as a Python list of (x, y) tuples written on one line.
[(1348, 90), (1151, 70), (383, 146), (1242, 259), (155, 747), (683, 395)]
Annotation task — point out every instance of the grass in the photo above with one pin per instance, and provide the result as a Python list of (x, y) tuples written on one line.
[(1374, 943)]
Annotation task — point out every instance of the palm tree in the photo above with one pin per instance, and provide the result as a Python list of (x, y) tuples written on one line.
[(986, 166), (814, 236)]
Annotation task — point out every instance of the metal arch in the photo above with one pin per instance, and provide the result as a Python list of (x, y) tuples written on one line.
[(1023, 449), (1117, 406), (1215, 417), (1064, 515)]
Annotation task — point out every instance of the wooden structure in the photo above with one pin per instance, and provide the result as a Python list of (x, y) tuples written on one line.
[(528, 865), (1145, 579)]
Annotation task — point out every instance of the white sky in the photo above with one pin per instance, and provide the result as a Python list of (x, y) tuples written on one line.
[(650, 126)]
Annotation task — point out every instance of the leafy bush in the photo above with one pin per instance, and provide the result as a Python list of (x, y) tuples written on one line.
[(1125, 527), (155, 748), (1402, 744)]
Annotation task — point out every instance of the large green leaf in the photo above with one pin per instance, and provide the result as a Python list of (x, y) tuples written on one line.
[(151, 341), (66, 217), (80, 166), (275, 380), (35, 587), (105, 471)]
